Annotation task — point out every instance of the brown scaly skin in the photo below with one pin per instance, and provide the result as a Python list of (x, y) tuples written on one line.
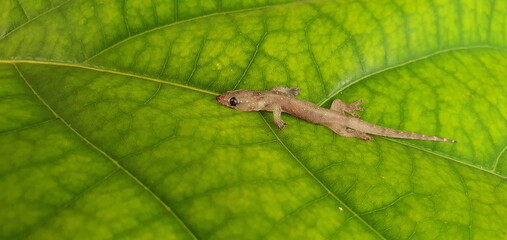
[(282, 99)]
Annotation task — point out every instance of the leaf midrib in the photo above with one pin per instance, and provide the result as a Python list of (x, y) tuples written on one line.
[(110, 71), (320, 103)]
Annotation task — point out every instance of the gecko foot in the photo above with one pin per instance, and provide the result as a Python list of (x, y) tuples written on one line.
[(359, 134), (281, 124), (342, 107), (351, 108), (349, 132), (294, 91)]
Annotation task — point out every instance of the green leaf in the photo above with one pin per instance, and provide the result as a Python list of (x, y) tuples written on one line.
[(109, 126)]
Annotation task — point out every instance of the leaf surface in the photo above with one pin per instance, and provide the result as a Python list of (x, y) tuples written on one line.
[(109, 126)]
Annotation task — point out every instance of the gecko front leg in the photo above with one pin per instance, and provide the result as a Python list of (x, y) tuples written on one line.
[(277, 117)]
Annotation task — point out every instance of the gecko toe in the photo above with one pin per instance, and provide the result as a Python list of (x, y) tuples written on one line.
[(351, 108), (355, 105), (281, 125), (294, 91)]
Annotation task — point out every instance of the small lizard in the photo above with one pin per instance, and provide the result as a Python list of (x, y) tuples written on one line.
[(282, 99)]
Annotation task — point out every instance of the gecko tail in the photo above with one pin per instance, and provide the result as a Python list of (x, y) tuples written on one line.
[(389, 132), (410, 135)]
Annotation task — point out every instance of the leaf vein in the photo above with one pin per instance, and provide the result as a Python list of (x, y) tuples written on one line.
[(312, 175), (97, 69), (349, 83), (389, 204), (495, 165), (490, 171), (74, 199), (125, 17), (256, 51), (115, 162), (312, 54), (196, 60), (180, 22), (33, 19), (32, 125)]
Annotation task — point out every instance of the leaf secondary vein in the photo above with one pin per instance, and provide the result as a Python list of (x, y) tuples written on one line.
[(31, 125), (181, 22), (495, 165), (33, 19), (490, 171), (118, 165), (254, 55), (320, 182), (349, 83), (74, 199)]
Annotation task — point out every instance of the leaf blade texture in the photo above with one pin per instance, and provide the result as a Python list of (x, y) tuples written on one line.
[(109, 127)]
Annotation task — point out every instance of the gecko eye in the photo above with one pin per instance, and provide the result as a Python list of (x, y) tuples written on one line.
[(233, 101)]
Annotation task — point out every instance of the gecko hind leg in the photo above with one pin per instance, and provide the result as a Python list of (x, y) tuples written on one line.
[(293, 91), (339, 106), (349, 132)]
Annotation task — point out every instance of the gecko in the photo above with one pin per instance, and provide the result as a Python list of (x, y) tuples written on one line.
[(341, 117)]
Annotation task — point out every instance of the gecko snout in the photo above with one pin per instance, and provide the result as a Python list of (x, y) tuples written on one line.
[(224, 100), (220, 99)]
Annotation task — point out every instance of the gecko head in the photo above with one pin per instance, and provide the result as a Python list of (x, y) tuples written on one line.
[(242, 100)]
